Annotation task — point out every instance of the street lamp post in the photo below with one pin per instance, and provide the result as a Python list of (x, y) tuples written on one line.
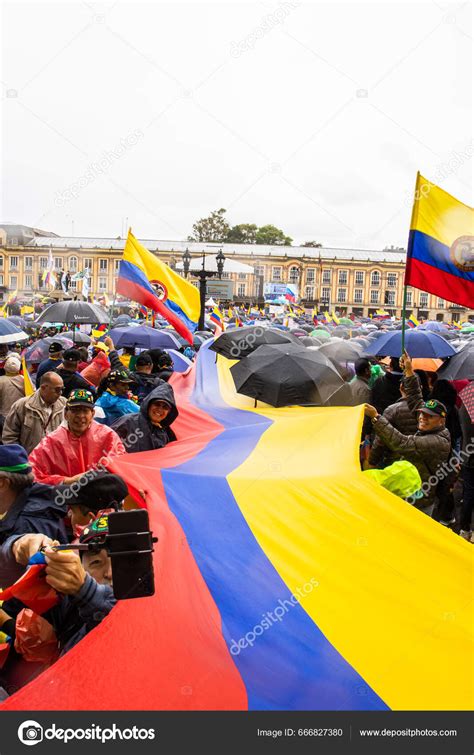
[(203, 275)]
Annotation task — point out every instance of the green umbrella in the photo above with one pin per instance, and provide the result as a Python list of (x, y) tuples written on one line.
[(346, 321), (320, 333), (469, 329)]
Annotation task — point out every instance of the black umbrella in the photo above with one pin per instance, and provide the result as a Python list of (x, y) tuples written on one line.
[(79, 338), (74, 312), (460, 366), (341, 351), (287, 374), (239, 343)]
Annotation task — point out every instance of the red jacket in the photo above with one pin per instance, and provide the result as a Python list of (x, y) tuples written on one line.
[(62, 454)]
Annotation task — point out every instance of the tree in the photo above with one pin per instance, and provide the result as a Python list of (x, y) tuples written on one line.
[(314, 244), (213, 228), (244, 233), (270, 234)]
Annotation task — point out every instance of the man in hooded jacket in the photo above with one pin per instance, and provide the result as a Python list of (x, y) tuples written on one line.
[(150, 428)]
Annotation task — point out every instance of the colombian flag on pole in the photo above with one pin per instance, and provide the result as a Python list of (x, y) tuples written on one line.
[(147, 280), (412, 321), (440, 256)]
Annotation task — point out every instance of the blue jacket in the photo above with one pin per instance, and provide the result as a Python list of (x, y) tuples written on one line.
[(34, 511), (115, 407)]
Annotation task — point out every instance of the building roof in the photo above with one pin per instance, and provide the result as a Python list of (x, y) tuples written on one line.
[(246, 250)]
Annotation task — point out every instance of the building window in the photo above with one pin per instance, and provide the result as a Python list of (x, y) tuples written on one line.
[(13, 282), (242, 276), (392, 280), (310, 275), (58, 263), (28, 280), (87, 263), (13, 263), (374, 297), (423, 299), (441, 304), (409, 298), (259, 270), (325, 296), (28, 263), (294, 275), (1, 279), (102, 283), (375, 278), (390, 298), (326, 277), (359, 278), (116, 266), (103, 266), (358, 294), (241, 289), (1, 261), (309, 292), (276, 273), (43, 263), (341, 295), (73, 285), (342, 278), (73, 264)]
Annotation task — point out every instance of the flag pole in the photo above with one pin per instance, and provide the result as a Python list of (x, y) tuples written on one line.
[(412, 222)]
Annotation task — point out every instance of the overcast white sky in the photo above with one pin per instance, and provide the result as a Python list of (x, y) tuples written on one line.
[(312, 116)]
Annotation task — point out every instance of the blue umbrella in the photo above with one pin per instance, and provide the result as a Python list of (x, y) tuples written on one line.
[(143, 337), (9, 333), (434, 326), (180, 362), (418, 343), (20, 322)]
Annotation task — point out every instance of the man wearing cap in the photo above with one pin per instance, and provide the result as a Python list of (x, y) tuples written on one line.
[(30, 517), (31, 418), (115, 401), (12, 384), (429, 448), (78, 445), (145, 382), (68, 371), (52, 362)]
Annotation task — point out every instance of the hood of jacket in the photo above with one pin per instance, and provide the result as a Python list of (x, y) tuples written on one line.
[(38, 500), (163, 392)]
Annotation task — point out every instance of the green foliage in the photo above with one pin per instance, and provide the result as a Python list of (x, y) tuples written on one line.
[(270, 234), (244, 233), (213, 228)]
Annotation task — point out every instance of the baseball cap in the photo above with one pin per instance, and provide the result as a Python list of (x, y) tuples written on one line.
[(119, 376), (55, 347), (101, 347), (80, 397), (14, 458), (71, 355), (434, 407), (143, 360)]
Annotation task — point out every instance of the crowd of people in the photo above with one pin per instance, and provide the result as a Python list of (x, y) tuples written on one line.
[(92, 404)]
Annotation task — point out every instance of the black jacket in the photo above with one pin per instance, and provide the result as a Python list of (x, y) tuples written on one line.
[(138, 428), (35, 511), (144, 383), (386, 391), (73, 380)]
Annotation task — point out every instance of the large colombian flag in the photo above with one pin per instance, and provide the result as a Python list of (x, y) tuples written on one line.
[(286, 579), (145, 279), (440, 257)]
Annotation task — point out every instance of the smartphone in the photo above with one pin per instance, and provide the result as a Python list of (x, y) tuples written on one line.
[(132, 573)]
